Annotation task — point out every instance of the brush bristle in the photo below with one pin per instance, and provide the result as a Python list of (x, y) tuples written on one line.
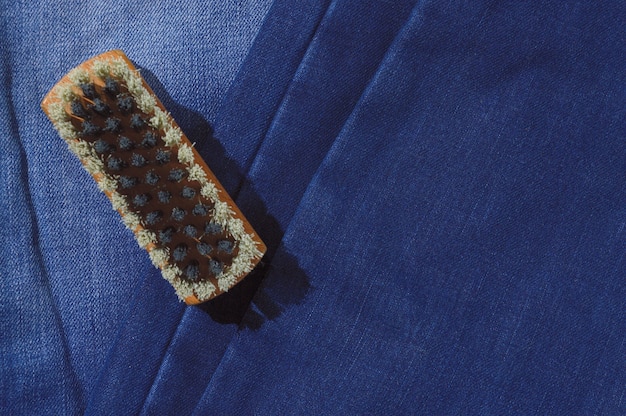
[(151, 173)]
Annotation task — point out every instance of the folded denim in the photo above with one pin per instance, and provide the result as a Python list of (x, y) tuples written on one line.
[(442, 183), (463, 240)]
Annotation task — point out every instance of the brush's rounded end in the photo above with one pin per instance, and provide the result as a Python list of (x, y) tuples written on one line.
[(192, 300)]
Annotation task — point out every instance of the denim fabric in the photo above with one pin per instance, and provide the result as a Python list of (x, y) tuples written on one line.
[(463, 239), (441, 187), (36, 372)]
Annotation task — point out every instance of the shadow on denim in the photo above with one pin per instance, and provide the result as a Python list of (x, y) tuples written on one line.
[(231, 307)]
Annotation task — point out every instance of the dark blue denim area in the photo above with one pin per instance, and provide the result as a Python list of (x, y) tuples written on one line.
[(441, 187), (464, 237)]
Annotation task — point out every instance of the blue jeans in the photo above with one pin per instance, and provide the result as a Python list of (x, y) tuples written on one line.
[(441, 187)]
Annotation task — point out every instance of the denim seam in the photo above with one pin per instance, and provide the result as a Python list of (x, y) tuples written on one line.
[(259, 147), (281, 103)]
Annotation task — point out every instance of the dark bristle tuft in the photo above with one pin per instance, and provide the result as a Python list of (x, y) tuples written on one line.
[(204, 249), (128, 181), (165, 235), (136, 122), (163, 156), (200, 209), (78, 110), (188, 192), (111, 86), (190, 230), (100, 146), (90, 129), (178, 214), (138, 160), (125, 104), (180, 252), (112, 124), (100, 107), (176, 175), (164, 196), (192, 271), (154, 217), (152, 178), (149, 140), (216, 267), (126, 143), (212, 228), (226, 246), (115, 163), (89, 90), (141, 200)]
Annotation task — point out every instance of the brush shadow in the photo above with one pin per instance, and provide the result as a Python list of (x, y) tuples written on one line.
[(290, 284)]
